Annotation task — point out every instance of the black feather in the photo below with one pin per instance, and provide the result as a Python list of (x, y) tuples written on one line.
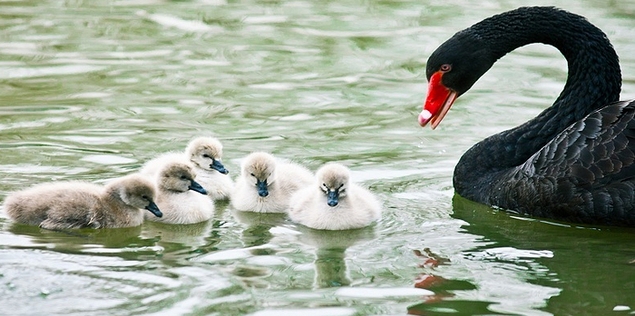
[(576, 160)]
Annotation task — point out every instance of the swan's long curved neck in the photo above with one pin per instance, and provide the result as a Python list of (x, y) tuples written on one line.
[(594, 80)]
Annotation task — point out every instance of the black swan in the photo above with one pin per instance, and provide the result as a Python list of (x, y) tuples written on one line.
[(574, 162)]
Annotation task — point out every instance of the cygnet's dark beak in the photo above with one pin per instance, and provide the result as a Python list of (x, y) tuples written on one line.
[(262, 188), (218, 166), (154, 209), (333, 197), (194, 186)]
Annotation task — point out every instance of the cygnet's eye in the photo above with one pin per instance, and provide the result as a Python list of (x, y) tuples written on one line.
[(207, 156), (183, 177), (324, 187), (145, 197)]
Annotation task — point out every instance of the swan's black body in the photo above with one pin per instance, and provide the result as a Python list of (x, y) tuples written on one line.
[(576, 160)]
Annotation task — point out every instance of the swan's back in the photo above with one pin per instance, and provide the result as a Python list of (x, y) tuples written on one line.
[(585, 174)]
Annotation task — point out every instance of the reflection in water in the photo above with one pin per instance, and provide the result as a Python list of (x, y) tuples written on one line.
[(112, 240), (330, 268), (258, 228), (255, 238), (92, 90), (178, 243), (576, 262), (187, 235), (330, 253), (181, 242)]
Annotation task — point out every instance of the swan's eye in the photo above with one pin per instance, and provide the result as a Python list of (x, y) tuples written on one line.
[(445, 67), (145, 197), (184, 178), (206, 156), (253, 175)]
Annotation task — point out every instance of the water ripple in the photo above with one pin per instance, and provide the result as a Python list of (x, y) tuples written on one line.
[(91, 90), (19, 73)]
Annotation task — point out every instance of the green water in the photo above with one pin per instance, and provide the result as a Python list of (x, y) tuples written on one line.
[(93, 89)]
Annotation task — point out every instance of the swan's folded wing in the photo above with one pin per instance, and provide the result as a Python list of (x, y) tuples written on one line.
[(586, 173), (592, 153)]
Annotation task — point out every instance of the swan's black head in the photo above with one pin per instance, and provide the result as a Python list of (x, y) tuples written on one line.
[(451, 70), (459, 62), (466, 55)]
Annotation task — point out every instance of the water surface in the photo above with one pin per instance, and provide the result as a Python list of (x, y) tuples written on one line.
[(91, 90)]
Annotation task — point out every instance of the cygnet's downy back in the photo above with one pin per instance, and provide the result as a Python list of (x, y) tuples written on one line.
[(63, 205)]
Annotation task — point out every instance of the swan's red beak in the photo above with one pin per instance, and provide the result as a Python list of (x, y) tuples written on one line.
[(438, 101)]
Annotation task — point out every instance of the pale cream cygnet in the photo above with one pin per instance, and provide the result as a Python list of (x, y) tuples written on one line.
[(333, 202), (76, 204), (265, 183), (181, 199), (205, 153)]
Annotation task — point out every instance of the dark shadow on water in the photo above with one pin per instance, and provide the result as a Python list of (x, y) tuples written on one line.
[(151, 240), (590, 265), (180, 242), (454, 307), (82, 241)]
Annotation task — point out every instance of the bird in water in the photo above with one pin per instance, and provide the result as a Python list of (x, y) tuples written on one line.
[(574, 162), (179, 196), (266, 183), (333, 202), (77, 204), (205, 154)]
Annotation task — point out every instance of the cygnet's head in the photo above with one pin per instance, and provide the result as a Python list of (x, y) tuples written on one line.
[(179, 177), (333, 179), (206, 152), (137, 191), (260, 167)]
